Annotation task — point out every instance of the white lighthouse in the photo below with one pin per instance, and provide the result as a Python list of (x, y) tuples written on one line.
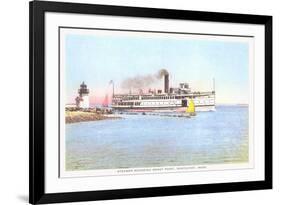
[(82, 100)]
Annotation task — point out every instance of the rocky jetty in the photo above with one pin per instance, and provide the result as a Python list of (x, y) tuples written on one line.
[(84, 116)]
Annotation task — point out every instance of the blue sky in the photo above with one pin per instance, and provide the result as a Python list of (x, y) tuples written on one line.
[(98, 59)]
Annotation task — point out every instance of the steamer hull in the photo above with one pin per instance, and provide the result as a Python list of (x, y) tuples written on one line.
[(203, 102)]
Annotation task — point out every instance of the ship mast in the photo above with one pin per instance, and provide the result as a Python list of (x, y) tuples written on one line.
[(214, 90), (112, 82), (214, 85)]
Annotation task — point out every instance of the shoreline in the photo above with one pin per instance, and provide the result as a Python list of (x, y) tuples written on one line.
[(80, 116)]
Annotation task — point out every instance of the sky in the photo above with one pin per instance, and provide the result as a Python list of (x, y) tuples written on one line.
[(98, 59)]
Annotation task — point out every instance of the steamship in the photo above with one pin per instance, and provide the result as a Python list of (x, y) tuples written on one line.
[(172, 99)]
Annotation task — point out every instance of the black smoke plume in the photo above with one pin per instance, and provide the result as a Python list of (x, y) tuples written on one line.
[(142, 81)]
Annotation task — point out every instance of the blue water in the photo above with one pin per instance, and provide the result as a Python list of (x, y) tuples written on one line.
[(150, 141)]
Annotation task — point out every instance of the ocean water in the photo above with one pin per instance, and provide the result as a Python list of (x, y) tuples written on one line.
[(217, 137)]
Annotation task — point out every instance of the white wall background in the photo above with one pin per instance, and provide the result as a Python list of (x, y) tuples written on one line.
[(14, 100)]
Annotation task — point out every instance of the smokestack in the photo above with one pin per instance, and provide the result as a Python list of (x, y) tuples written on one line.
[(166, 83)]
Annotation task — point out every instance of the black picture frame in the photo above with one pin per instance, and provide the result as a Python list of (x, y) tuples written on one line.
[(37, 11)]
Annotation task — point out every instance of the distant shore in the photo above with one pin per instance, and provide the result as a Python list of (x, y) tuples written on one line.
[(81, 116)]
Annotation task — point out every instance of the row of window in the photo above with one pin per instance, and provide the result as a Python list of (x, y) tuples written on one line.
[(203, 101), (145, 103), (158, 97), (128, 103)]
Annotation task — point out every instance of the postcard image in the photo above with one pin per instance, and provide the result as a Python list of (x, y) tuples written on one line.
[(135, 102)]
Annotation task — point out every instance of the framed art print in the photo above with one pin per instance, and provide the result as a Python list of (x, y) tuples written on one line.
[(139, 102)]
